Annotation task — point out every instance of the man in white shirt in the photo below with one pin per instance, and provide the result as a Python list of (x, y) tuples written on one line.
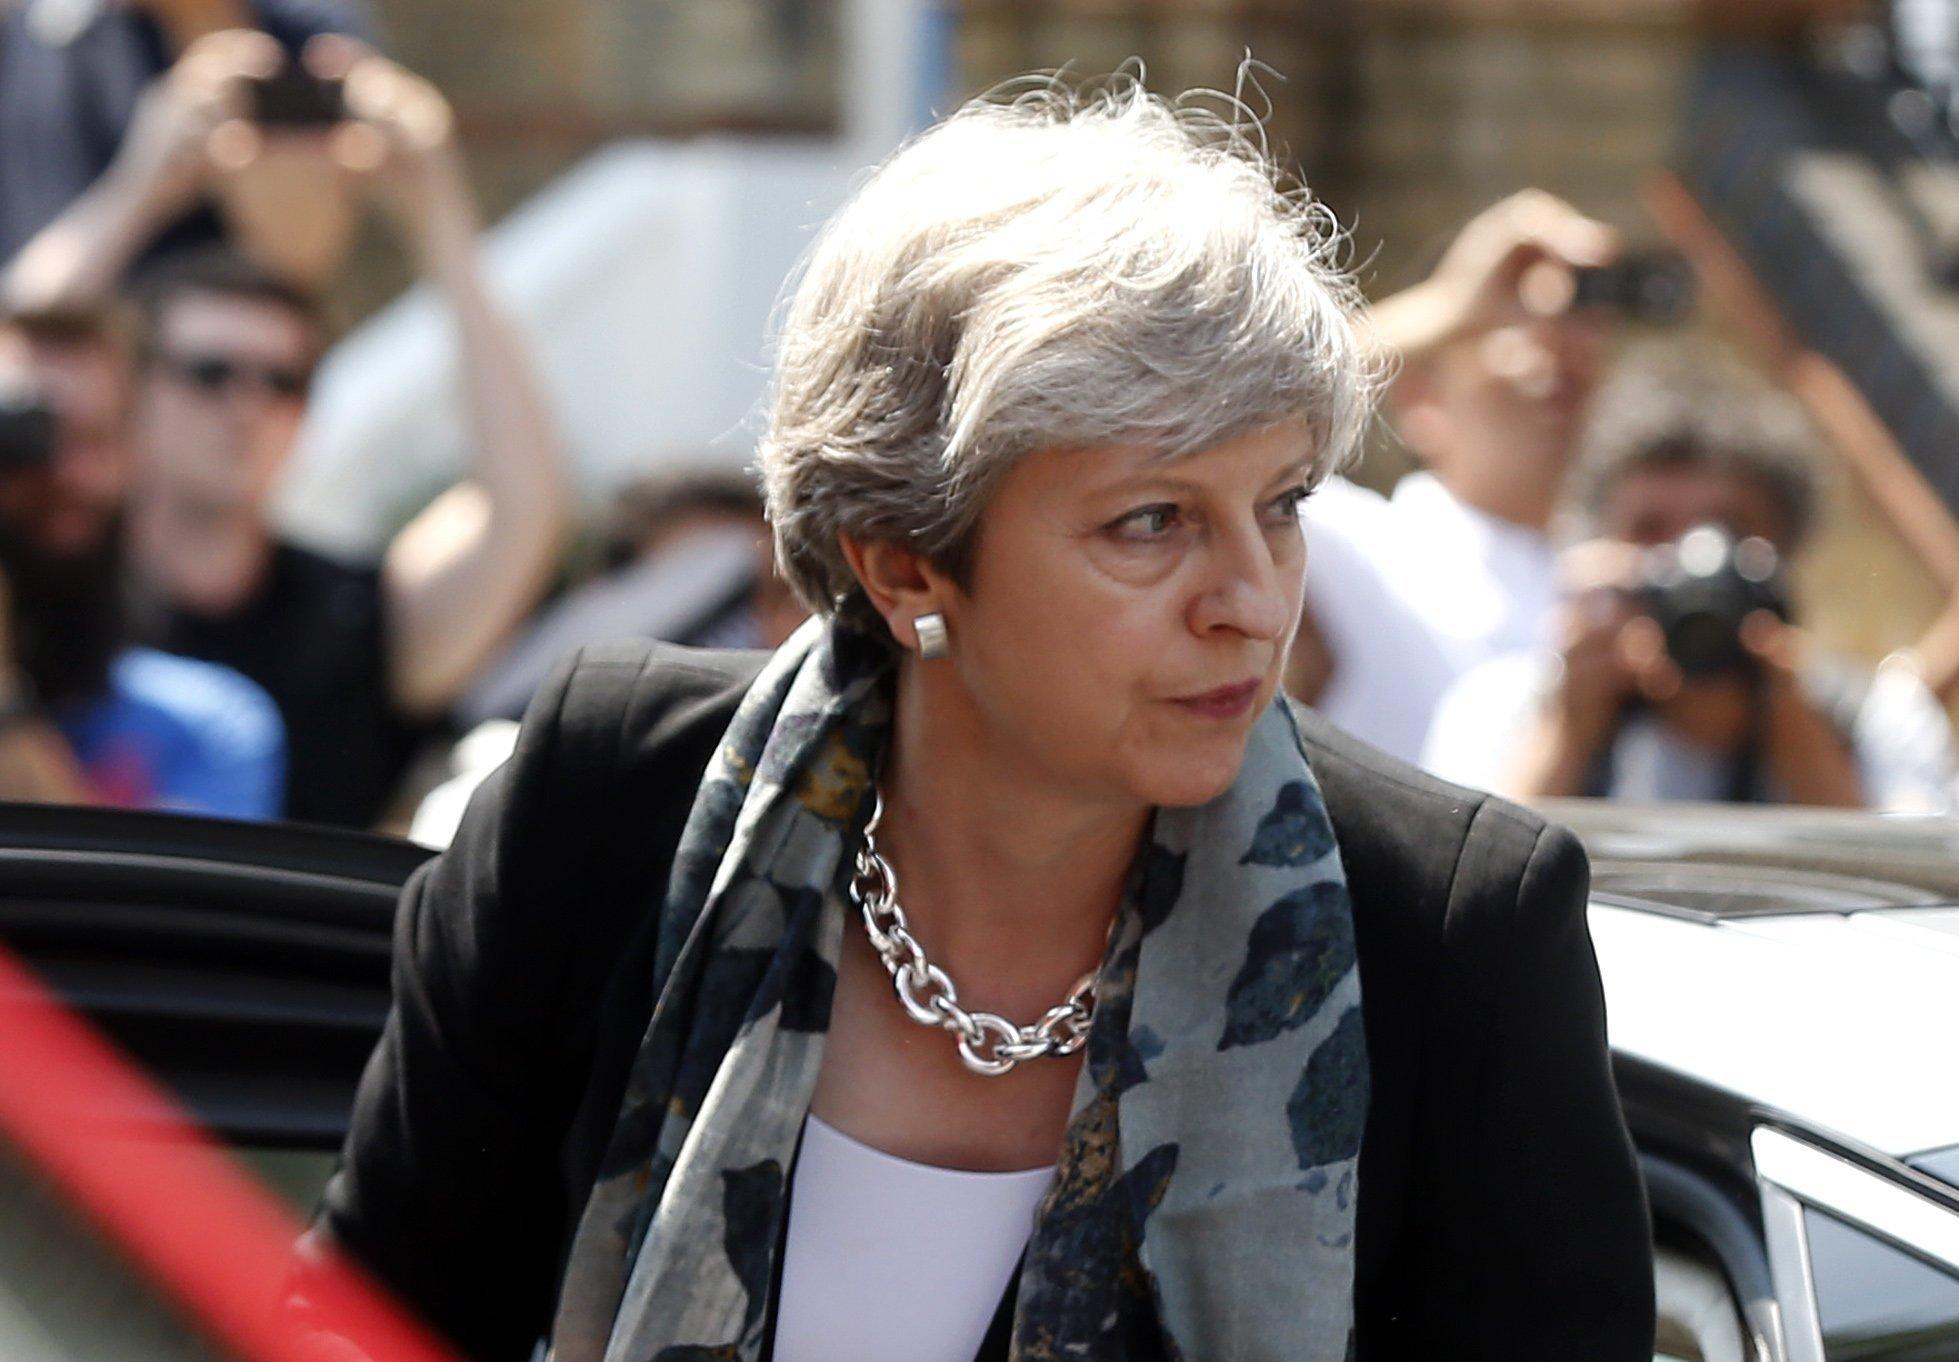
[(1405, 594), (1681, 443)]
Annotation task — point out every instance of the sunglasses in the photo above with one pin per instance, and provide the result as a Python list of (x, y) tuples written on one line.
[(214, 374)]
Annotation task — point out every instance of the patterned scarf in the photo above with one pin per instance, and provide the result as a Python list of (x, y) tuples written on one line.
[(1205, 1196)]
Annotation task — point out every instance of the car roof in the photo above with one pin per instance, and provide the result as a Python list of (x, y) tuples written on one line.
[(1828, 859), (1804, 962)]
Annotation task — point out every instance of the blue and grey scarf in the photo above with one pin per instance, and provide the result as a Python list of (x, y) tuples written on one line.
[(1204, 1200)]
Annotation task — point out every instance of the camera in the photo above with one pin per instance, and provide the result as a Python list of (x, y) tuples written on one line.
[(1701, 587), (293, 97), (28, 428), (1656, 288)]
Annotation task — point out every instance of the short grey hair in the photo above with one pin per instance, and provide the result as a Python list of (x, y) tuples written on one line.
[(1052, 266)]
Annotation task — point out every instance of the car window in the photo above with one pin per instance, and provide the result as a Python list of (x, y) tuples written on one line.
[(1875, 1303), (1942, 1164)]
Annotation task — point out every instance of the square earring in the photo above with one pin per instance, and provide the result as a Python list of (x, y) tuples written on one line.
[(932, 643)]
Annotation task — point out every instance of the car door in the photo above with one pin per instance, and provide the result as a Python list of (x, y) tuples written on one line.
[(244, 966), (1864, 1251)]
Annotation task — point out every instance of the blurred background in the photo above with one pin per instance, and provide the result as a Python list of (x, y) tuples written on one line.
[(734, 126), (513, 433)]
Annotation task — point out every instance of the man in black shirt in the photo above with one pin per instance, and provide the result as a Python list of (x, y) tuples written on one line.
[(360, 658)]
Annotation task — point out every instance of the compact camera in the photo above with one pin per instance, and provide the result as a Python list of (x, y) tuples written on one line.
[(1701, 587), (1657, 288), (293, 97)]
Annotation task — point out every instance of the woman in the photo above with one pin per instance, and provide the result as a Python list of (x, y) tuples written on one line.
[(1047, 401)]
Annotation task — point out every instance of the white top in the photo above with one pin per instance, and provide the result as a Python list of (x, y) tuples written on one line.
[(1900, 738), (1411, 593), (894, 1261)]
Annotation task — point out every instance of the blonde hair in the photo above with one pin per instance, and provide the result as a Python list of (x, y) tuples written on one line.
[(1051, 266)]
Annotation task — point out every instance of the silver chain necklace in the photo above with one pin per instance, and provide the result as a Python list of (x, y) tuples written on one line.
[(988, 1044)]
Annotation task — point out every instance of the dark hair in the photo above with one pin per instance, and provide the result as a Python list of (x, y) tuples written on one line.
[(225, 273), (645, 508), (1683, 405)]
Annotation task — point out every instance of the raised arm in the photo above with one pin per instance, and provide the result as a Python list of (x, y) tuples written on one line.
[(471, 566), (161, 168), (1513, 260), (191, 137)]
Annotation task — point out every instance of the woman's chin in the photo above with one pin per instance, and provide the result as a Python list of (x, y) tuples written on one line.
[(1194, 783)]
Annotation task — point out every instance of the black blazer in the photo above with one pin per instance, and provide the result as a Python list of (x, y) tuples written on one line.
[(1501, 1210)]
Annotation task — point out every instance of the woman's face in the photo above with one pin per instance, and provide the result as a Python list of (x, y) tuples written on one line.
[(1127, 619)]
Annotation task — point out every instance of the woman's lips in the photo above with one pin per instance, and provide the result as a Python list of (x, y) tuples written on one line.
[(1226, 702)]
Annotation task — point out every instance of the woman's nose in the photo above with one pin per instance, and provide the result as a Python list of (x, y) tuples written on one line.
[(1248, 593)]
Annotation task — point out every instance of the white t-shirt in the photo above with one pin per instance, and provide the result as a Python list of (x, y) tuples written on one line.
[(1900, 738), (893, 1261), (1412, 592)]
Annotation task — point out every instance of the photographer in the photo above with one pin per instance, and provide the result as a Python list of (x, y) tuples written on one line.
[(362, 658), (1498, 358), (1677, 672), (84, 717)]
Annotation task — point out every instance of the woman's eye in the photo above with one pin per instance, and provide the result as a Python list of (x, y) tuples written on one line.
[(1150, 522), (1287, 504)]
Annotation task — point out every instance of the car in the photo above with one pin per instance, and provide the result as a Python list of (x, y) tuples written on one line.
[(1783, 993), (247, 967), (1783, 990)]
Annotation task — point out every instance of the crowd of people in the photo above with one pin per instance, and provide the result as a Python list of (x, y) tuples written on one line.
[(1583, 589), (161, 319)]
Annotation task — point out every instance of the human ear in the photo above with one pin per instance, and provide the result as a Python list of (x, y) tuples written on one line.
[(900, 584)]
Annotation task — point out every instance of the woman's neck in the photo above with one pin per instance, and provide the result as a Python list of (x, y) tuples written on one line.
[(1010, 878)]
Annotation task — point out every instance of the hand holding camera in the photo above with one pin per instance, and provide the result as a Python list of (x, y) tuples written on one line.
[(1699, 630), (1703, 590), (1502, 266), (173, 148), (275, 135), (1530, 258), (396, 137)]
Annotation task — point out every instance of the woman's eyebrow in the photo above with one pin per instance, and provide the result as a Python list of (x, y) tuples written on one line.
[(1301, 467), (1164, 476)]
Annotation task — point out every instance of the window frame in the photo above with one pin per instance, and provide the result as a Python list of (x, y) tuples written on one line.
[(1795, 1174)]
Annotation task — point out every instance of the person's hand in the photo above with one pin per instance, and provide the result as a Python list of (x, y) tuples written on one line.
[(291, 191), (1621, 650), (1777, 646), (1807, 754), (398, 138), (1514, 261), (1604, 659), (1609, 653), (189, 124)]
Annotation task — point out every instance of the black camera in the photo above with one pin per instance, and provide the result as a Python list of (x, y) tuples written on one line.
[(1657, 288), (293, 97), (28, 428), (1701, 587)]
